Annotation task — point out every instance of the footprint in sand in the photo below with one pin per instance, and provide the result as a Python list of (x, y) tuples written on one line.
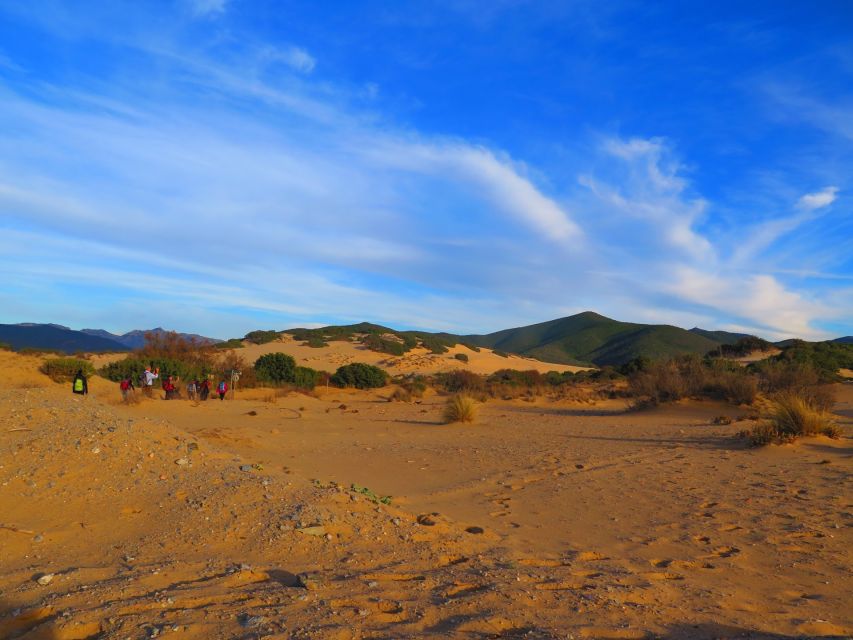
[(730, 527), (542, 562), (726, 552), (672, 564), (662, 575)]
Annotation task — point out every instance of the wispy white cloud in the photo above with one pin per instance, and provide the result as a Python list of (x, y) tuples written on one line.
[(296, 58), (818, 200), (206, 8)]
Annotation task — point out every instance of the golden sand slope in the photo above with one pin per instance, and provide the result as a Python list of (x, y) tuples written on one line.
[(540, 521), (418, 360)]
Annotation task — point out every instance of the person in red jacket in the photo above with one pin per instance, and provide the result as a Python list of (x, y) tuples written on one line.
[(222, 389)]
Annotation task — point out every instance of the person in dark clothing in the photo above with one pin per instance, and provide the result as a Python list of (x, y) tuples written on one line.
[(80, 385), (222, 389), (204, 389), (127, 388)]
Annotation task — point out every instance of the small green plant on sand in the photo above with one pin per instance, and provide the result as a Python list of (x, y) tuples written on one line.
[(460, 408), (370, 495)]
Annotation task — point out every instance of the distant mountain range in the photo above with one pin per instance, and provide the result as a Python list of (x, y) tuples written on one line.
[(63, 339), (136, 339), (585, 338)]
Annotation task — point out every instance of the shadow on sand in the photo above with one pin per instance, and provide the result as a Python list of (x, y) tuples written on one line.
[(34, 623), (709, 630)]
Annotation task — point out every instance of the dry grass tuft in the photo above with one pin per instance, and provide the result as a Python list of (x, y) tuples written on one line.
[(400, 395), (792, 416), (460, 409)]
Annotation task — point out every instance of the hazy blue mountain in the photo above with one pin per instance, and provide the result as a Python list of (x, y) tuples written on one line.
[(55, 337)]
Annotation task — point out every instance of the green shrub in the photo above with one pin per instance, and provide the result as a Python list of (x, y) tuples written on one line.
[(64, 369), (516, 378), (383, 345), (435, 345), (276, 368), (461, 357), (739, 388), (741, 348), (502, 354), (555, 378), (233, 343), (261, 336), (415, 385), (37, 351), (360, 376), (785, 375), (307, 378), (460, 408), (640, 363), (5, 346), (472, 347), (461, 380), (669, 380), (133, 366), (315, 342)]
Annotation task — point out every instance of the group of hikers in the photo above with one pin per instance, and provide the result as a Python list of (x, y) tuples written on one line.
[(195, 390)]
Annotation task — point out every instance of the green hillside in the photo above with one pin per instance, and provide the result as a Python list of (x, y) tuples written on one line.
[(592, 338), (585, 338)]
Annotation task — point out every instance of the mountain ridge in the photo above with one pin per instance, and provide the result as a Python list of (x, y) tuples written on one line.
[(63, 339)]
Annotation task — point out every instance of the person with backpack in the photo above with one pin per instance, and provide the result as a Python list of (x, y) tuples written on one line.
[(204, 390), (148, 380), (192, 388), (80, 386), (126, 386), (222, 389), (170, 388)]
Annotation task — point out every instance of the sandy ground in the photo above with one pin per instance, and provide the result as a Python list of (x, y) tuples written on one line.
[(419, 360), (542, 520)]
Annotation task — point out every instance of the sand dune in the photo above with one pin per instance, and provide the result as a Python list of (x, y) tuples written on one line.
[(419, 360), (238, 519)]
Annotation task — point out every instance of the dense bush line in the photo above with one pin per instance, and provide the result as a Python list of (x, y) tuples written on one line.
[(64, 369)]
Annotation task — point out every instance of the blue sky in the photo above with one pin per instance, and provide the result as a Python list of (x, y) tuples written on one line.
[(218, 166)]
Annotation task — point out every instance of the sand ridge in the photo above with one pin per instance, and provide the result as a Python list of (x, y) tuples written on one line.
[(418, 360)]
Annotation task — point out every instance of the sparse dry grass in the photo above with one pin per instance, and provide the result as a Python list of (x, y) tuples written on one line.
[(791, 416), (400, 395), (460, 408)]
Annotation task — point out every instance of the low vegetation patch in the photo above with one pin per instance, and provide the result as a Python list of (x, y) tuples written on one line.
[(315, 342), (400, 395), (360, 376), (791, 416), (382, 344), (460, 408), (261, 336), (461, 357), (233, 343), (64, 369)]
